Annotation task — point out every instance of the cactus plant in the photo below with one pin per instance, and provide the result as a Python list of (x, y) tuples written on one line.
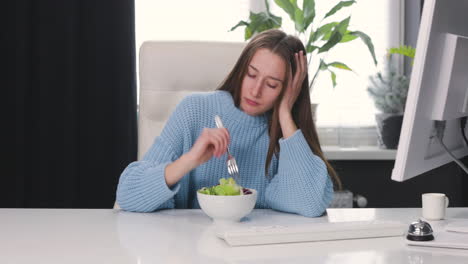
[(388, 88)]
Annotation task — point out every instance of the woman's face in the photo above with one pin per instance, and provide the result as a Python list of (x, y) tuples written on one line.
[(262, 83)]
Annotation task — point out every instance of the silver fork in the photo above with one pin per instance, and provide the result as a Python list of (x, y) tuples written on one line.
[(233, 170)]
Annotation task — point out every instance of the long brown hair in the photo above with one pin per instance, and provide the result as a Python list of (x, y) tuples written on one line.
[(284, 46)]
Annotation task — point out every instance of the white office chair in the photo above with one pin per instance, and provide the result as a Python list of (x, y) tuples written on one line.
[(169, 71)]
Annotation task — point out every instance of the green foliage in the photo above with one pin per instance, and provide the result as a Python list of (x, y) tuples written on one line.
[(404, 50), (319, 37), (225, 187), (388, 88), (259, 22)]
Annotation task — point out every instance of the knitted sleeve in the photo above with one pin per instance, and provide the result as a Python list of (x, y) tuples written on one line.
[(302, 184), (142, 186)]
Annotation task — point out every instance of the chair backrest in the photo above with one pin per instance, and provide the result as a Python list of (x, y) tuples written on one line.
[(171, 70)]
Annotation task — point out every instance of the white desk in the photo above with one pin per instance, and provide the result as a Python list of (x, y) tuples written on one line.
[(186, 236)]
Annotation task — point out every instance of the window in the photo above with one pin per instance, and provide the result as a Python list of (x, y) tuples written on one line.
[(345, 113), (207, 20), (348, 104)]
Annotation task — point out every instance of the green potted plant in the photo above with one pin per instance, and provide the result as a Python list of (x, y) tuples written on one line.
[(389, 90), (318, 35)]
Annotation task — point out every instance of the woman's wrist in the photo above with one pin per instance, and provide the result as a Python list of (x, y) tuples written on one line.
[(288, 127), (187, 162), (177, 169)]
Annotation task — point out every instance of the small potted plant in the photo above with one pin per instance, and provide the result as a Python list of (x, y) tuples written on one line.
[(389, 90)]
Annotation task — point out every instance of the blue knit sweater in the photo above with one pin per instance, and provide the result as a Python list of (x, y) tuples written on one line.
[(299, 183)]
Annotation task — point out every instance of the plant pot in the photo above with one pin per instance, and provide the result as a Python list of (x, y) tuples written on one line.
[(388, 129)]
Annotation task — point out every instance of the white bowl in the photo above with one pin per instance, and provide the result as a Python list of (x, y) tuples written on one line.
[(227, 208)]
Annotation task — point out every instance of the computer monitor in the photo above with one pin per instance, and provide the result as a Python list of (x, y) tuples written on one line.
[(438, 90)]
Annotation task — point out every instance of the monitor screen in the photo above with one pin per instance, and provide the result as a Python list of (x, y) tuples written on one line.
[(438, 91)]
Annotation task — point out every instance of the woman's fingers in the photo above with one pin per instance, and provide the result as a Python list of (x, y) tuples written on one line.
[(301, 62), (220, 137), (217, 142), (224, 140), (291, 77), (298, 66), (211, 142), (305, 61), (300, 73), (302, 65), (225, 137)]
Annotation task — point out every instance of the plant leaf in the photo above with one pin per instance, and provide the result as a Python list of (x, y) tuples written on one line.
[(339, 65), (311, 48), (334, 39), (308, 7), (323, 66), (404, 50), (344, 33), (342, 27), (247, 33), (260, 22), (336, 36), (288, 7), (323, 30), (333, 78), (241, 23), (299, 20), (338, 7), (348, 37), (367, 40)]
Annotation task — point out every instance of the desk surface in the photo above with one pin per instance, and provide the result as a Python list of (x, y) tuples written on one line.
[(186, 236)]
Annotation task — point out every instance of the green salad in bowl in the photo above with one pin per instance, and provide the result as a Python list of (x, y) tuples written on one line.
[(225, 187), (226, 202)]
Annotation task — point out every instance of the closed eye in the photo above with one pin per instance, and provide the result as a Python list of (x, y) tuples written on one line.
[(273, 86)]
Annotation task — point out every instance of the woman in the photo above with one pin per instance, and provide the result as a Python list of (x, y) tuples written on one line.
[(265, 107)]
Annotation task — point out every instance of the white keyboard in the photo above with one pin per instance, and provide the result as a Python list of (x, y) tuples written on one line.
[(255, 235)]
